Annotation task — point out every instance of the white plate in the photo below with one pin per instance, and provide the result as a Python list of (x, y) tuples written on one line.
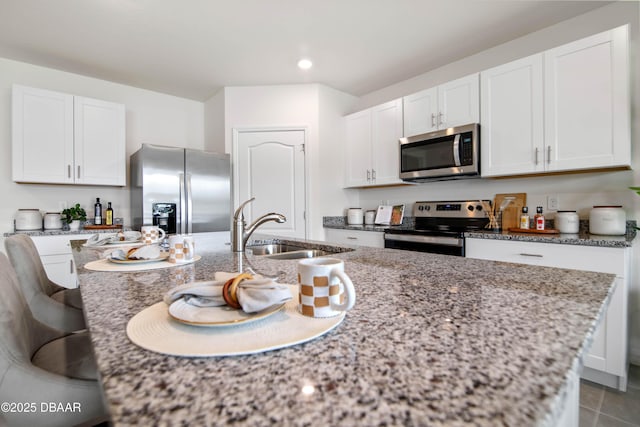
[(153, 329), (162, 257), (216, 316)]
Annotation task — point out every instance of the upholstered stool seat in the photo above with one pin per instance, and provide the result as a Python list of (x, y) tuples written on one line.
[(52, 304), (42, 365)]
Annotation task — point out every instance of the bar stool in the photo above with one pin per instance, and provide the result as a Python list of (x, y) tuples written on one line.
[(50, 303), (44, 366)]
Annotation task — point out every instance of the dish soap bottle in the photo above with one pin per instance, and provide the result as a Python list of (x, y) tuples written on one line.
[(97, 212), (524, 218), (539, 218), (109, 218)]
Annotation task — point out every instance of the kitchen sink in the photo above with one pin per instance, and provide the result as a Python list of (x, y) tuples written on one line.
[(285, 251)]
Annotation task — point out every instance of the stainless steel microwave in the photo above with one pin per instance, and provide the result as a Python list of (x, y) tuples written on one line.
[(451, 153)]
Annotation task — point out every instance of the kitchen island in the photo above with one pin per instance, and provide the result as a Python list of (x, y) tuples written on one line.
[(432, 340)]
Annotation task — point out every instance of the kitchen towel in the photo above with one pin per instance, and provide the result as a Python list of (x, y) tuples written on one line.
[(254, 295)]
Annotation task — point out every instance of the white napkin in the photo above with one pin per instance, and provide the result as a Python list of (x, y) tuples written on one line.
[(100, 239), (253, 295), (143, 252)]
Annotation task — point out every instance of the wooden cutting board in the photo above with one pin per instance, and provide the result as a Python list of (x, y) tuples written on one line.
[(511, 213), (103, 227)]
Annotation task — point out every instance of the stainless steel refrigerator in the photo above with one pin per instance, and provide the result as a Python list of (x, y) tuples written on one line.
[(180, 190)]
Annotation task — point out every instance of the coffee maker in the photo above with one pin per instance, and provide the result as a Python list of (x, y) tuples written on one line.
[(164, 216)]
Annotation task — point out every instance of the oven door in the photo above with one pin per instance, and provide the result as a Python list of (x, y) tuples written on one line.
[(446, 245)]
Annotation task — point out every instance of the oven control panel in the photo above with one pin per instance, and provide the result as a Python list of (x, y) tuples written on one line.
[(450, 209)]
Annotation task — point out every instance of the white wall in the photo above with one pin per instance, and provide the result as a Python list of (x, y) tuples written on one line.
[(151, 118), (319, 110)]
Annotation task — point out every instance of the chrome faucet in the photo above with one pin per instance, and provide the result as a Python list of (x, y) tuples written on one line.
[(241, 234)]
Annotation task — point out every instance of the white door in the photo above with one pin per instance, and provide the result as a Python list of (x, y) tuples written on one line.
[(421, 112), (386, 131), (270, 166), (587, 103), (358, 155), (512, 131), (42, 136), (459, 102), (100, 152)]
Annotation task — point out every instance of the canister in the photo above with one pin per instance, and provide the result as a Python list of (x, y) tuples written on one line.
[(369, 217), (52, 221), (354, 216), (607, 220), (28, 219), (567, 222)]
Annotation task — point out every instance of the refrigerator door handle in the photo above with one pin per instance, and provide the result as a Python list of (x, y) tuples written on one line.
[(189, 203), (183, 206)]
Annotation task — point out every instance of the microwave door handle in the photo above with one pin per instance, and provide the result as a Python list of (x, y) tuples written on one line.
[(456, 150)]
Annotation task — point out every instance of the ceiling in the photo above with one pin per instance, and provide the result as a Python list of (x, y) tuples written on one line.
[(192, 48)]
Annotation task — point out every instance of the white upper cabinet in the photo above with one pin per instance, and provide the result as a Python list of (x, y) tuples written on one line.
[(512, 129), (100, 149), (565, 109), (62, 139), (587, 108), (372, 156), (451, 104), (42, 135)]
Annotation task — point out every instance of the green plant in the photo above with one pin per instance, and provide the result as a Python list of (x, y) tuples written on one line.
[(74, 213)]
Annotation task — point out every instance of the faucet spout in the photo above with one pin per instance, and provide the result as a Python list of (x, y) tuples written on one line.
[(241, 232)]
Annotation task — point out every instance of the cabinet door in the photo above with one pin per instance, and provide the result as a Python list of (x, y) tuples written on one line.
[(512, 129), (355, 237), (42, 136), (358, 156), (61, 270), (587, 106), (420, 112), (100, 150), (386, 130), (459, 102)]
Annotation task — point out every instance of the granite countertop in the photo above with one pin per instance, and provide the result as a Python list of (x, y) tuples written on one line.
[(432, 340), (583, 238), (62, 232)]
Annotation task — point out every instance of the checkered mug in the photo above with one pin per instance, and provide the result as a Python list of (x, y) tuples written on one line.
[(151, 234), (181, 249), (325, 289)]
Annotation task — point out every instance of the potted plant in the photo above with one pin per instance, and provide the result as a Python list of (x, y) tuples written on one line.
[(73, 216)]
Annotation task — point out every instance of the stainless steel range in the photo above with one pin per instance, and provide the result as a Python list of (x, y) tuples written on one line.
[(439, 227)]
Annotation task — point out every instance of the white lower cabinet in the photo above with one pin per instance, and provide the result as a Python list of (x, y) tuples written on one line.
[(355, 237), (607, 361), (55, 253)]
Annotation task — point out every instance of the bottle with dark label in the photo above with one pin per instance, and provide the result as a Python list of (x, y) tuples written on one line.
[(109, 218), (97, 211)]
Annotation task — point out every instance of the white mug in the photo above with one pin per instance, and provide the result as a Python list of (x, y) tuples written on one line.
[(181, 249), (325, 289), (152, 234)]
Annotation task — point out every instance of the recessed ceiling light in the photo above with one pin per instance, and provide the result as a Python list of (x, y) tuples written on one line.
[(305, 64)]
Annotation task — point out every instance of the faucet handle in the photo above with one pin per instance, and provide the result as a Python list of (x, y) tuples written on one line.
[(239, 212)]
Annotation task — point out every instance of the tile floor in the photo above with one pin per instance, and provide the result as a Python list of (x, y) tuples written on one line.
[(605, 407)]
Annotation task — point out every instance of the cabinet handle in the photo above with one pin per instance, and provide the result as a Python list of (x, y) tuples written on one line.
[(78, 171), (373, 174), (70, 266), (368, 175), (531, 255), (433, 120), (352, 238), (548, 154), (440, 116), (536, 155)]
